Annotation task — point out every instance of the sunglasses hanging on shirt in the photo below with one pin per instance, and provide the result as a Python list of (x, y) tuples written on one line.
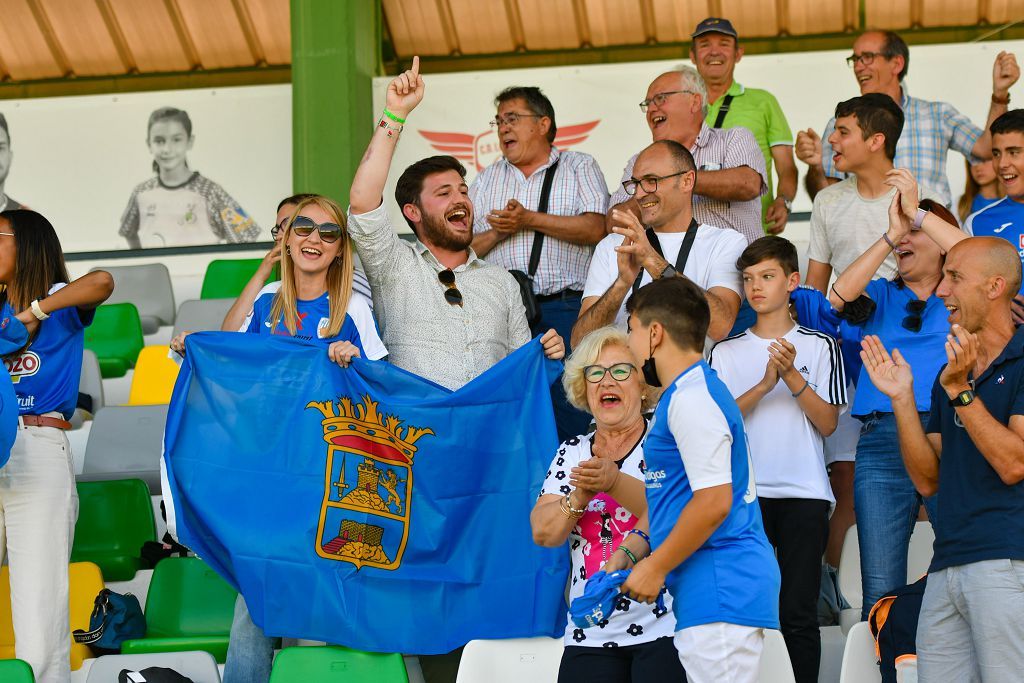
[(451, 293)]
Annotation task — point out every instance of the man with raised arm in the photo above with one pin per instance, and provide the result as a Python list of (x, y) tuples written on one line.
[(971, 457)]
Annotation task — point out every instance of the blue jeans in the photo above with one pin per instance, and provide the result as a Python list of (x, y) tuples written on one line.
[(886, 504), (250, 653), (561, 314)]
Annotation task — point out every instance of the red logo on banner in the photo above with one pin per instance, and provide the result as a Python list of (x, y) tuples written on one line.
[(481, 150)]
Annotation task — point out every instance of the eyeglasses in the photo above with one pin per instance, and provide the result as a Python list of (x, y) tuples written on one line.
[(11, 234), (512, 119), (913, 321), (620, 372), (865, 58), (451, 294), (304, 227), (648, 183), (659, 98), (276, 231)]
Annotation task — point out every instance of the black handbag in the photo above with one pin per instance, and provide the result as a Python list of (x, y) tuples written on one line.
[(525, 280), (153, 674)]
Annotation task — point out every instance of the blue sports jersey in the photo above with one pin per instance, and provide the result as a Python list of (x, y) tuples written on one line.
[(697, 441), (358, 328), (13, 336), (814, 310), (1003, 218), (46, 374)]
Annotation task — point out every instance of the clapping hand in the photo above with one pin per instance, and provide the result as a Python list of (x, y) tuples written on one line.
[(961, 359), (634, 244), (406, 91), (512, 219), (891, 375), (595, 475)]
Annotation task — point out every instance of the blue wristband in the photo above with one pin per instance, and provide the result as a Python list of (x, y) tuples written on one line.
[(641, 534)]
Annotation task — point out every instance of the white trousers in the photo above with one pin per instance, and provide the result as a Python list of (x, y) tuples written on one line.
[(720, 652), (38, 510)]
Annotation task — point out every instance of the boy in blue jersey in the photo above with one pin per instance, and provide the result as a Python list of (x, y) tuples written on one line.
[(1005, 217), (708, 544)]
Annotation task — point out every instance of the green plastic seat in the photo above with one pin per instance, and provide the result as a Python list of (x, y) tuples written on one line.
[(115, 336), (329, 664), (189, 607), (15, 671), (226, 278), (114, 519)]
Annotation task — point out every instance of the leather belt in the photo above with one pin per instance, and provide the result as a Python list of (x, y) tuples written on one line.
[(564, 294), (43, 421)]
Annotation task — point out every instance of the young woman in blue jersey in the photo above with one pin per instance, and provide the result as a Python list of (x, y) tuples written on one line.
[(905, 314), (38, 499)]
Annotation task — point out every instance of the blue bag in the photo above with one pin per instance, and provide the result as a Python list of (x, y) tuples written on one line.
[(115, 618)]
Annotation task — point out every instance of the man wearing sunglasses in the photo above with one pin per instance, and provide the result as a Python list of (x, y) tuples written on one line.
[(448, 314), (731, 175), (547, 235), (880, 62)]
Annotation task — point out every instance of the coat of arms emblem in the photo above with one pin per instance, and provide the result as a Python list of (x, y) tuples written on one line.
[(365, 513)]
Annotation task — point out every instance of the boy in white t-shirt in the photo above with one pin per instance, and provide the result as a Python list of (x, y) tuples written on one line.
[(789, 383)]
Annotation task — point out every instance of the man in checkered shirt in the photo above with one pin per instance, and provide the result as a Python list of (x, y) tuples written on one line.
[(880, 61), (506, 196)]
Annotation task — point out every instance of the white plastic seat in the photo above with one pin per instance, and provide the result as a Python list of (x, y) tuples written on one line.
[(201, 315), (126, 442), (859, 663), (201, 667), (775, 664), (511, 661)]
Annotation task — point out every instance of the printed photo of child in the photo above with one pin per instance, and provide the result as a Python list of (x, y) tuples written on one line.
[(179, 206)]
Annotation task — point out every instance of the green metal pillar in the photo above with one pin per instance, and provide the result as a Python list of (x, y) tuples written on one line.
[(335, 55)]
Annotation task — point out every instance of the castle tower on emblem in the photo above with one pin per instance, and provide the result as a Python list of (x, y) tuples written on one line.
[(365, 513)]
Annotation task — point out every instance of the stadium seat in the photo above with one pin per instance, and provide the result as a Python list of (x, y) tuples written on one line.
[(126, 442), (198, 666), (336, 664), (15, 671), (775, 664), (85, 582), (114, 519), (919, 557), (510, 661), (153, 379), (188, 607), (226, 278), (115, 336), (859, 663), (149, 288), (200, 315)]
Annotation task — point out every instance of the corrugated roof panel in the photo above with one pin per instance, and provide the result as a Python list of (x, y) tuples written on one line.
[(23, 48), (813, 16), (150, 35), (674, 21), (552, 25), (272, 21), (615, 22), (947, 13), (83, 36), (482, 27), (416, 27), (216, 32), (751, 18), (886, 14), (1005, 11)]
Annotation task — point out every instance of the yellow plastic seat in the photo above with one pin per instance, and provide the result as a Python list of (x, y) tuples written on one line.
[(154, 377), (85, 582)]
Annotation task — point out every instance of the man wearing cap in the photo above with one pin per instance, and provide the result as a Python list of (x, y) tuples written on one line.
[(730, 166), (880, 62), (6, 203), (715, 51)]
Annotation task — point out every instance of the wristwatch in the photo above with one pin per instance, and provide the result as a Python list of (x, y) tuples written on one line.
[(669, 271), (964, 398)]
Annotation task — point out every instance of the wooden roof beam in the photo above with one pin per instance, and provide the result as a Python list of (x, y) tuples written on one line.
[(515, 24), (579, 13), (117, 37), (50, 36), (252, 39), (187, 44), (451, 36)]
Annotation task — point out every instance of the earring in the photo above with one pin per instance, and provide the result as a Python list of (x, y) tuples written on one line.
[(287, 250)]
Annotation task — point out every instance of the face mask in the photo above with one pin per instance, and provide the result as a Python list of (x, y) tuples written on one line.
[(650, 369)]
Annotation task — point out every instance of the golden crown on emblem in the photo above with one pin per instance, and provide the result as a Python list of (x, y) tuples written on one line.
[(348, 420)]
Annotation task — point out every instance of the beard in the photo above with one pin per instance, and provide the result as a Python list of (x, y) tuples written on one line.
[(437, 232)]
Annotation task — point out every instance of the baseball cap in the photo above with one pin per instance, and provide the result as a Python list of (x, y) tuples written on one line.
[(715, 25)]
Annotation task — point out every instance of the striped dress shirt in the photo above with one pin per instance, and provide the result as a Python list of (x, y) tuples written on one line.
[(578, 187), (718, 149)]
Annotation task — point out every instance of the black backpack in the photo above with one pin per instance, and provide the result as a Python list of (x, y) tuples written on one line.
[(893, 623), (153, 674)]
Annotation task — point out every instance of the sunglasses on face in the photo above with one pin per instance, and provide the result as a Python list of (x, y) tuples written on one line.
[(304, 227), (451, 293), (620, 372), (915, 309)]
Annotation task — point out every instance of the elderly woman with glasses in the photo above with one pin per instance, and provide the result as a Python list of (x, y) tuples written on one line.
[(906, 314), (591, 500)]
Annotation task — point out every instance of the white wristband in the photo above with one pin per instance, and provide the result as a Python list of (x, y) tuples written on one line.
[(37, 311)]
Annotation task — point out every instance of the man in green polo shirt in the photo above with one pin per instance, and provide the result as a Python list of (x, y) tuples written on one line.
[(715, 50)]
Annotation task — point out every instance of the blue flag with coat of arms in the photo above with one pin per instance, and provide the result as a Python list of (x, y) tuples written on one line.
[(366, 506)]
